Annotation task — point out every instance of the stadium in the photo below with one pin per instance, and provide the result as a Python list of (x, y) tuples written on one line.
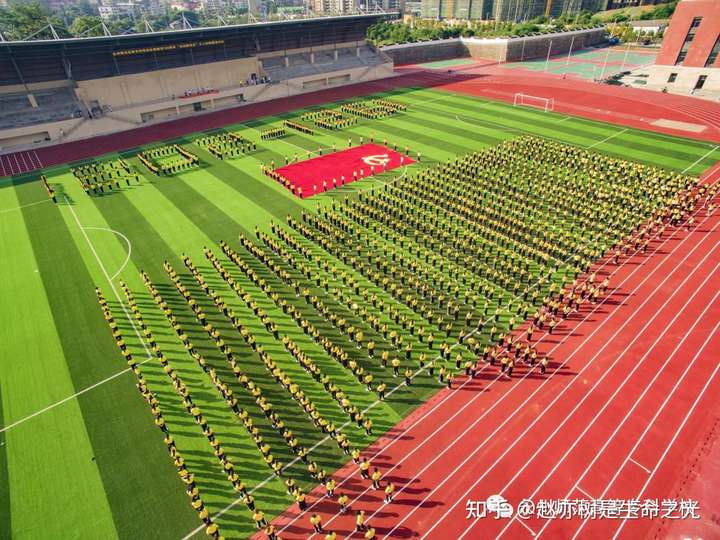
[(272, 280)]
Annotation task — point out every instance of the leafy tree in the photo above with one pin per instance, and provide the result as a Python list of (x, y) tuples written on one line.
[(86, 26), (20, 20)]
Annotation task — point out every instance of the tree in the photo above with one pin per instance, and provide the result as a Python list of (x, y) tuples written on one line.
[(20, 20), (86, 26)]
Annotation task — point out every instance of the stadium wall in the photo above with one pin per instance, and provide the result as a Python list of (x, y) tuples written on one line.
[(127, 90), (427, 51), (169, 109), (499, 49)]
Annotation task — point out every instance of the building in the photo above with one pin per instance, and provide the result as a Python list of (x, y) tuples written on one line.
[(119, 9), (688, 61), (334, 6), (505, 10), (648, 27)]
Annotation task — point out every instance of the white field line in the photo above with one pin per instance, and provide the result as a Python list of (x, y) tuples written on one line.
[(618, 389), (6, 210), (557, 397), (710, 379), (700, 159), (606, 139), (655, 417), (127, 241), (109, 279), (64, 400)]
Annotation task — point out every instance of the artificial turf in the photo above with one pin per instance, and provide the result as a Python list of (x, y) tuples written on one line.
[(95, 465)]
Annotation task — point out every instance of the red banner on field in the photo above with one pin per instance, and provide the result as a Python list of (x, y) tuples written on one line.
[(316, 175)]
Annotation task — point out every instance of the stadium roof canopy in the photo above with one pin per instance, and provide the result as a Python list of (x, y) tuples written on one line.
[(83, 58)]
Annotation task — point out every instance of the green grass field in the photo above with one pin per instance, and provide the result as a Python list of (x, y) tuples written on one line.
[(79, 454)]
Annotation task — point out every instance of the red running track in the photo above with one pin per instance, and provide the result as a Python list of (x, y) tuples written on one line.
[(626, 380), (617, 105), (631, 107)]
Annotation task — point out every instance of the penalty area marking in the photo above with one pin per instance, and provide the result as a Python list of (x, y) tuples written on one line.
[(107, 276)]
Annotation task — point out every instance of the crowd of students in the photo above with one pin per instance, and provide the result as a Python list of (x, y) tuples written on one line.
[(226, 145), (373, 109), (302, 128), (431, 273), (272, 133), (188, 478), (329, 119), (168, 160), (100, 177)]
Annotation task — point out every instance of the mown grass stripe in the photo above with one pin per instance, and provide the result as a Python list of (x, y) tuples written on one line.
[(5, 514), (128, 457)]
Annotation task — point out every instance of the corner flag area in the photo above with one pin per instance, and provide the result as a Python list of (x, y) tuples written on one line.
[(312, 176)]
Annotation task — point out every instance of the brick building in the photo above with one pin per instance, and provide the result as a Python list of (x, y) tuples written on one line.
[(690, 56)]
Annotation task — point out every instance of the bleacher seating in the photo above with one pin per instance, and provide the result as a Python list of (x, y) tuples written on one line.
[(325, 62), (53, 104)]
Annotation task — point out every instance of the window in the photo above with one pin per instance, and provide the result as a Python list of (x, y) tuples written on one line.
[(680, 58), (700, 82), (695, 22), (672, 78), (713, 54)]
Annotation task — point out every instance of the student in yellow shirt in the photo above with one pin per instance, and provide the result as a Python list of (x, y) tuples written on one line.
[(360, 521), (343, 502), (389, 490), (316, 522)]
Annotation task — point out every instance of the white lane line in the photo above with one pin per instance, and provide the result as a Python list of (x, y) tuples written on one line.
[(699, 159), (430, 437), (657, 414), (658, 371), (606, 139), (38, 158), (643, 467), (618, 389), (581, 490), (19, 168), (127, 241), (562, 392), (710, 379), (533, 533), (604, 264), (22, 156)]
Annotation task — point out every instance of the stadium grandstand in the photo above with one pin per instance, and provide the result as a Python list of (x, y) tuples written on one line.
[(57, 90)]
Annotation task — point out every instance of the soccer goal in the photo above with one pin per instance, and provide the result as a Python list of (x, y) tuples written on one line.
[(526, 100)]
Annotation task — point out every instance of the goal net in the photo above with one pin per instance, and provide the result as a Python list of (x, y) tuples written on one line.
[(526, 100)]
